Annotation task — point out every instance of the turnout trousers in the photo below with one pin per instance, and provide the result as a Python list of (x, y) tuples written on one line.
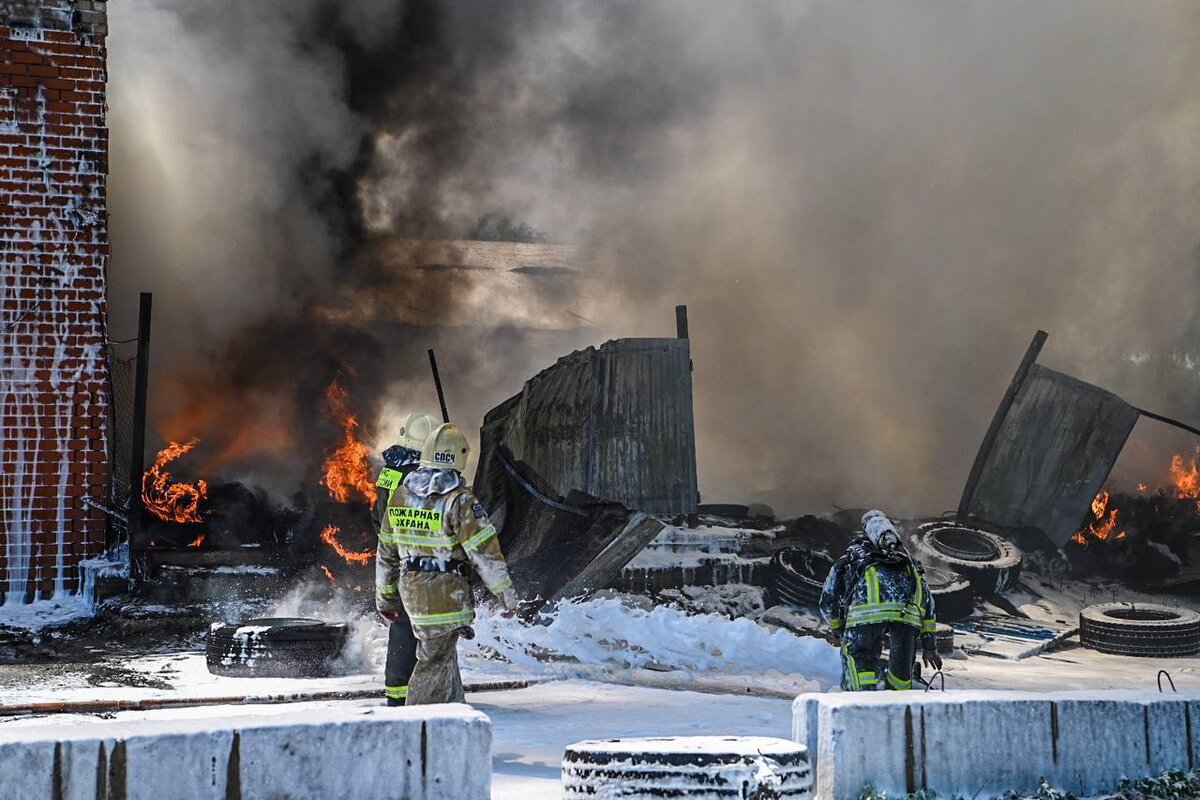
[(436, 678), (862, 656), (401, 658)]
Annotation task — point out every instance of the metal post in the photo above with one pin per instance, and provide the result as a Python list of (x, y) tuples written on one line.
[(681, 322), (137, 455), (437, 381), (1173, 422), (989, 439)]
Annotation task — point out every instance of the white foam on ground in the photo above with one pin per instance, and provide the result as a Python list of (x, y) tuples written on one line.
[(45, 613), (607, 632)]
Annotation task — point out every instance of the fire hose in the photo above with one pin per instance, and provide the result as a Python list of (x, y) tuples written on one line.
[(151, 703)]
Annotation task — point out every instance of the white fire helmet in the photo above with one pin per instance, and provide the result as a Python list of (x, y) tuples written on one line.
[(446, 448), (880, 530), (416, 429)]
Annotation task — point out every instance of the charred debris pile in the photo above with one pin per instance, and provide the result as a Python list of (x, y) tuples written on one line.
[(590, 474)]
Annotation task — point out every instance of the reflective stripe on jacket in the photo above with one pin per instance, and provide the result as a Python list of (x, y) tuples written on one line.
[(451, 526), (877, 606), (863, 589), (392, 475)]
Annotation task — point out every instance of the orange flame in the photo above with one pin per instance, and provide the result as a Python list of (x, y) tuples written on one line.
[(328, 574), (172, 502), (1185, 478), (329, 537), (199, 540), (1103, 526), (347, 472)]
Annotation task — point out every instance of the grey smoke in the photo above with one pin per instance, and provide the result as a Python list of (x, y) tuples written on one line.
[(868, 207)]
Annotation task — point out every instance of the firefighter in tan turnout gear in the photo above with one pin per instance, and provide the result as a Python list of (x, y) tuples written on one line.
[(433, 534), (399, 461)]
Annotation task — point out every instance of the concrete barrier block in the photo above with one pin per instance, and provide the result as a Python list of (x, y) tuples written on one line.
[(430, 752), (1191, 711), (959, 735), (990, 742)]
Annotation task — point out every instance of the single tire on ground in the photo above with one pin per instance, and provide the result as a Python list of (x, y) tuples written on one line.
[(1140, 629), (991, 563), (796, 576), (953, 597), (741, 767), (277, 647)]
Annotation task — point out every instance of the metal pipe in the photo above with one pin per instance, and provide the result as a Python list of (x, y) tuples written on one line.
[(437, 381), (112, 512), (148, 703), (137, 456), (1176, 423)]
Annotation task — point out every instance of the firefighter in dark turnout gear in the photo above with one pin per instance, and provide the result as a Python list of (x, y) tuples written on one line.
[(874, 594), (399, 461)]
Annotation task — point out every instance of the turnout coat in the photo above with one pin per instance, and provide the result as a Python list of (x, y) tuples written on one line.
[(434, 521), (868, 585)]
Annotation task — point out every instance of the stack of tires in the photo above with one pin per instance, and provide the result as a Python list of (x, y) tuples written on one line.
[(953, 597), (1140, 629), (989, 562), (274, 648), (796, 576)]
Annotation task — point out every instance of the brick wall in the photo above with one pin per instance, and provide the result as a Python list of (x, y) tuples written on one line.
[(53, 263)]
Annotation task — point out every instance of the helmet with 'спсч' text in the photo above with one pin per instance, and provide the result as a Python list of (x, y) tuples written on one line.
[(446, 448), (416, 429)]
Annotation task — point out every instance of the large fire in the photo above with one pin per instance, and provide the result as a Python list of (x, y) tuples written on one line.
[(329, 537), (1103, 525), (1185, 479), (172, 501), (347, 473), (1184, 485)]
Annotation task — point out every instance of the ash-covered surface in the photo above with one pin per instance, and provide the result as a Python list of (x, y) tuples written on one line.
[(127, 628)]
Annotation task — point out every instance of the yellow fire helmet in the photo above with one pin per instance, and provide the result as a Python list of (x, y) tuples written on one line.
[(446, 448), (416, 429)]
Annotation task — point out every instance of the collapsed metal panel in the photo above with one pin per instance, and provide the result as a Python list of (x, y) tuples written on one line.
[(614, 422), (1052, 452), (557, 547)]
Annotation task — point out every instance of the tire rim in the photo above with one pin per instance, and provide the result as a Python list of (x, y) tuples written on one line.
[(964, 544)]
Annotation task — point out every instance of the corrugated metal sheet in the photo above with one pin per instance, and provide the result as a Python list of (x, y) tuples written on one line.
[(1053, 452), (615, 422)]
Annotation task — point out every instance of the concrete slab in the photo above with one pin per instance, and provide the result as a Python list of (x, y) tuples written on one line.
[(377, 752), (990, 742)]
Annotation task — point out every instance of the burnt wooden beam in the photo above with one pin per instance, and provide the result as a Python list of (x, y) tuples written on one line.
[(681, 322), (989, 439)]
